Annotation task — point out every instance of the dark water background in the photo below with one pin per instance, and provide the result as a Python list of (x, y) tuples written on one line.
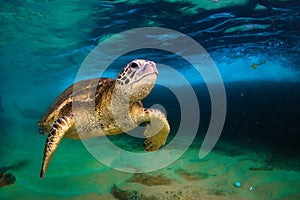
[(43, 44)]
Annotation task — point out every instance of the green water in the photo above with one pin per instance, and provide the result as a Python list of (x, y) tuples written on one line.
[(43, 44)]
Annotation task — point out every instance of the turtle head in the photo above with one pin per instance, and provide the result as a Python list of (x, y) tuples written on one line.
[(136, 80)]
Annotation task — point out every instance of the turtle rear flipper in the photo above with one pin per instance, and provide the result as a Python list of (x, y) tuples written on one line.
[(57, 132)]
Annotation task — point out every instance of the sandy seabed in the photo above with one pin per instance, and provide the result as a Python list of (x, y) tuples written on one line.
[(77, 175)]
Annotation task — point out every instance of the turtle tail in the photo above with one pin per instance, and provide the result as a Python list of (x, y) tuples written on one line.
[(57, 132)]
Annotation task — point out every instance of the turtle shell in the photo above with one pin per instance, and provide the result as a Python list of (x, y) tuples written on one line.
[(81, 91)]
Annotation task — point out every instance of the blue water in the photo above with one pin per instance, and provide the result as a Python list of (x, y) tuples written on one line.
[(255, 46)]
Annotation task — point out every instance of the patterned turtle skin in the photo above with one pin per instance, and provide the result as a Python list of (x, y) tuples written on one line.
[(103, 106)]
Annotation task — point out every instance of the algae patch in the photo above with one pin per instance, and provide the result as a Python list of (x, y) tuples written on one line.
[(149, 180), (191, 176)]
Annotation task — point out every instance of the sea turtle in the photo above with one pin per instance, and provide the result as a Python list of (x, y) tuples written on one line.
[(102, 106)]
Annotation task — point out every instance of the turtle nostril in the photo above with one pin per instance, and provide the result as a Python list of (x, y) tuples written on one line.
[(41, 131)]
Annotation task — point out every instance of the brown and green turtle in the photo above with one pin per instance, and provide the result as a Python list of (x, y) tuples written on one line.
[(99, 107)]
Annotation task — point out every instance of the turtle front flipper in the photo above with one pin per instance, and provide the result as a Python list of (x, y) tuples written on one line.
[(157, 130), (57, 132)]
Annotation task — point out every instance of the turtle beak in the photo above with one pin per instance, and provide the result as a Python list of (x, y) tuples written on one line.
[(149, 67)]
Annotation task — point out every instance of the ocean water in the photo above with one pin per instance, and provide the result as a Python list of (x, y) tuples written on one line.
[(247, 68)]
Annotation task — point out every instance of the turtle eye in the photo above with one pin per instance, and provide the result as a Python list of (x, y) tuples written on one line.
[(134, 65)]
